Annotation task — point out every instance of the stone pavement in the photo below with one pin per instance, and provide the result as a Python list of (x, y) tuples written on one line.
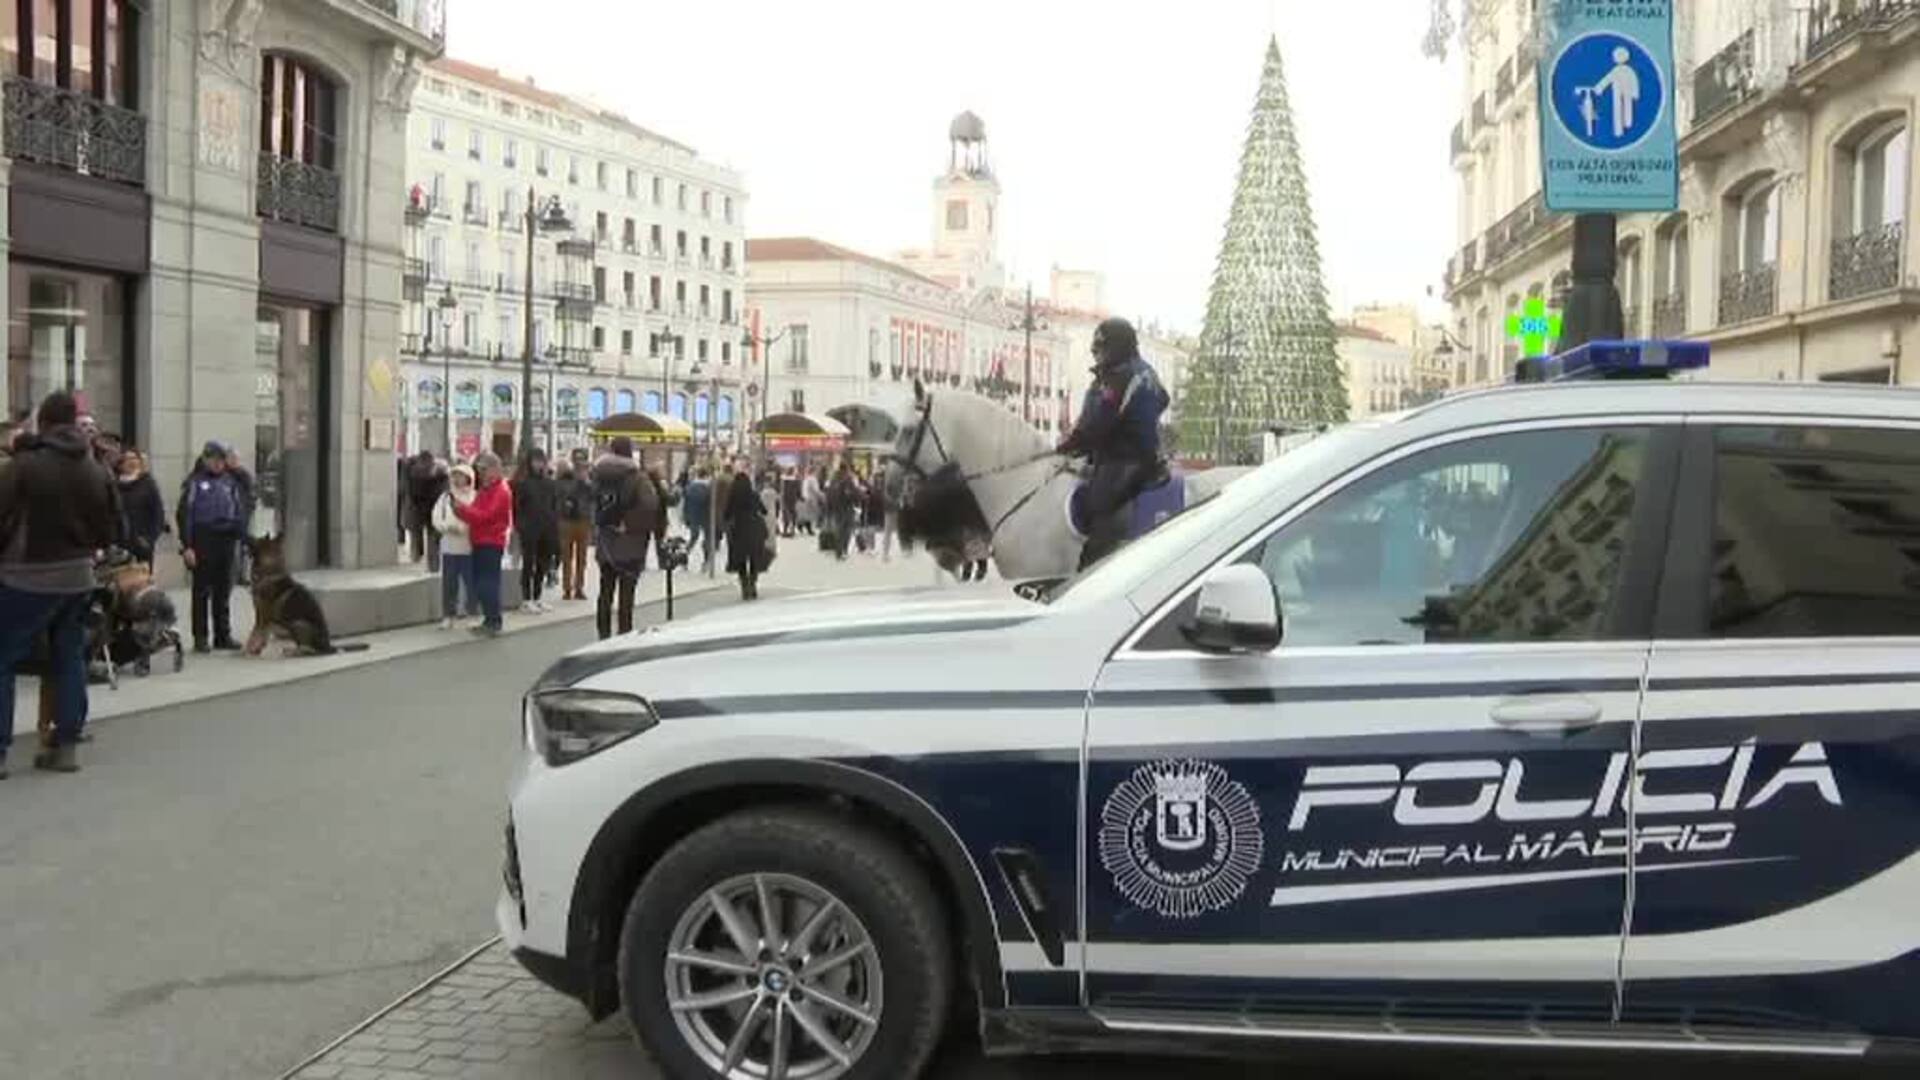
[(485, 1019)]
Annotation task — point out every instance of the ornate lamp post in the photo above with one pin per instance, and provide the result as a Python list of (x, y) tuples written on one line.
[(548, 219), (447, 304)]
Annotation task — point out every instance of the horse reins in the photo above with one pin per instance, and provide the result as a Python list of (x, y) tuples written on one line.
[(912, 462)]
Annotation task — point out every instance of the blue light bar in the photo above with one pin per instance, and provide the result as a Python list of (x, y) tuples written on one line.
[(1639, 359)]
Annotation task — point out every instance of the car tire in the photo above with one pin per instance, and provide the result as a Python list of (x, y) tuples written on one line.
[(888, 898)]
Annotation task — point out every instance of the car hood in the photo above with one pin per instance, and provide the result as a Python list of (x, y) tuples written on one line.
[(811, 616)]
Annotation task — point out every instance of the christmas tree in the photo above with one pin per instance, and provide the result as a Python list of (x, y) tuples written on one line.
[(1266, 356)]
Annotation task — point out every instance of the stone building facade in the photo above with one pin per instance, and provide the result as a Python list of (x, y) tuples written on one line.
[(204, 210)]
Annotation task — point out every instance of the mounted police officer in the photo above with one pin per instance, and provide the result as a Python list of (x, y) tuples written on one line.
[(1118, 432)]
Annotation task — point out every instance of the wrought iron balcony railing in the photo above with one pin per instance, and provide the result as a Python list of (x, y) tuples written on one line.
[(72, 131), (575, 247), (1630, 321), (1503, 82), (1831, 22), (299, 193), (474, 215), (1482, 114), (1725, 80), (418, 212), (1519, 228), (1670, 315), (1748, 294), (1866, 262)]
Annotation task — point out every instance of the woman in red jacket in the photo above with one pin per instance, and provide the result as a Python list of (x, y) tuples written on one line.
[(488, 517)]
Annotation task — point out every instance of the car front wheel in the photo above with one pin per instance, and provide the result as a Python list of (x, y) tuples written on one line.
[(786, 944)]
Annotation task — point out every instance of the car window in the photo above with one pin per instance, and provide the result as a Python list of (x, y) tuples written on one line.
[(1513, 537), (1816, 532)]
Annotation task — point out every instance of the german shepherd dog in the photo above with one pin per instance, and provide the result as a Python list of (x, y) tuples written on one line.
[(285, 608)]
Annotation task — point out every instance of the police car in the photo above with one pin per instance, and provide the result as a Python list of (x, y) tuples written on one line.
[(1582, 715)]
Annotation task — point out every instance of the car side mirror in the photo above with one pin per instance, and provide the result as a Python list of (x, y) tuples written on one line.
[(1235, 612)]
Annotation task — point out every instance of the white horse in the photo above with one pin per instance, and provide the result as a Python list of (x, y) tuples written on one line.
[(1019, 484)]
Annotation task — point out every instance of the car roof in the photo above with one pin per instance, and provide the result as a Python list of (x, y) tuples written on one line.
[(1619, 397)]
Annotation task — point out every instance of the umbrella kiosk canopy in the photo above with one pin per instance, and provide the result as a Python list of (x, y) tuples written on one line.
[(872, 431), (803, 433), (655, 437)]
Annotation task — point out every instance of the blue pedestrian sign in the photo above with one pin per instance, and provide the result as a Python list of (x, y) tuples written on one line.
[(1606, 106)]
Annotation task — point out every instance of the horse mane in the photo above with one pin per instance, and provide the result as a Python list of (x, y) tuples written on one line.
[(985, 424)]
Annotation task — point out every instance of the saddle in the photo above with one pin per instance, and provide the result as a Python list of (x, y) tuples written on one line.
[(1159, 494)]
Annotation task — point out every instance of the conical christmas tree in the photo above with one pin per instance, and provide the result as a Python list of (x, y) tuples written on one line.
[(1266, 355)]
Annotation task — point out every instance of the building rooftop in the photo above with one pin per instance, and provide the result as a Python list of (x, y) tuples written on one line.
[(526, 90), (809, 249)]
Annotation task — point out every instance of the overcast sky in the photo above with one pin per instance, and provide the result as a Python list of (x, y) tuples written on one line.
[(1115, 127)]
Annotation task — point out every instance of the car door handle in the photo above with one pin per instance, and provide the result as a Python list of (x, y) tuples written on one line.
[(1546, 714)]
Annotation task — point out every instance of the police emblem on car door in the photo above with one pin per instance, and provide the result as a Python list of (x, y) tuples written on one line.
[(1436, 755)]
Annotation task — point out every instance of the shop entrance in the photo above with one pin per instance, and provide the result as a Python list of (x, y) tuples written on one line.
[(291, 435)]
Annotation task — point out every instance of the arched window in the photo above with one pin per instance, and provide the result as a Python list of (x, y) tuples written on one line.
[(466, 400), (596, 404), (623, 401), (1871, 172), (726, 410), (503, 401), (649, 401), (428, 399), (567, 402), (1749, 249), (700, 408), (538, 400), (679, 405), (1629, 275), (1509, 346), (1562, 288)]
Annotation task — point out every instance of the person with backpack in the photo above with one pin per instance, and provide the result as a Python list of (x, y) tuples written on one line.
[(576, 525), (629, 513), (212, 522)]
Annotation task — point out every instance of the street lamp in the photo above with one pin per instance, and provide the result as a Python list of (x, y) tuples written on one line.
[(1028, 324), (548, 219), (749, 341), (447, 305), (668, 355)]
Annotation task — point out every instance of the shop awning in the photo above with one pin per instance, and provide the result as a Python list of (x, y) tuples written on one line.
[(646, 428), (867, 425), (802, 431)]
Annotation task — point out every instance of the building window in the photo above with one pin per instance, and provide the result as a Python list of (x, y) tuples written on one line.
[(573, 168), (601, 235), (599, 338), (504, 328), (1870, 192), (437, 132), (659, 189), (726, 305), (706, 204), (680, 244), (633, 183), (626, 287), (653, 239), (600, 175), (296, 112), (596, 404), (629, 241), (653, 293), (626, 343), (476, 144), (727, 205), (706, 251), (599, 284), (510, 153), (956, 215), (542, 160), (700, 352), (80, 45), (476, 200), (797, 349), (1750, 249), (726, 255), (681, 199), (69, 332)]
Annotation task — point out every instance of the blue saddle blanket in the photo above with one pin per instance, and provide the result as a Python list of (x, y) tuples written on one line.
[(1148, 509)]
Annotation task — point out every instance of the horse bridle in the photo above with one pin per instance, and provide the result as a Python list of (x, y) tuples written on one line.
[(911, 462)]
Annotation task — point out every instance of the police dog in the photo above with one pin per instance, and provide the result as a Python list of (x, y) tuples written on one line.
[(285, 608)]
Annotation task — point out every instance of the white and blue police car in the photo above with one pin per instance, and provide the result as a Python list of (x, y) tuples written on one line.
[(1583, 714)]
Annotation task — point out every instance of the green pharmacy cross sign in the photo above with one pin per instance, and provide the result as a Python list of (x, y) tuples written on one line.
[(1534, 326)]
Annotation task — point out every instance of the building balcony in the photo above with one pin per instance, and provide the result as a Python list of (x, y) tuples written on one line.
[(680, 308), (569, 356), (413, 278), (72, 131), (478, 280), (410, 344), (1866, 262), (298, 193), (629, 247), (1503, 82), (1725, 80), (1831, 24), (574, 247), (475, 215), (1521, 227), (428, 18), (1459, 143), (1669, 316), (1482, 114), (419, 211), (1748, 294)]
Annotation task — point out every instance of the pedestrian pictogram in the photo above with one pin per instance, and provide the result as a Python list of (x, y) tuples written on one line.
[(1534, 326), (1607, 91)]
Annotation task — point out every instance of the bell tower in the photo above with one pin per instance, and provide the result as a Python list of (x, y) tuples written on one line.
[(966, 207)]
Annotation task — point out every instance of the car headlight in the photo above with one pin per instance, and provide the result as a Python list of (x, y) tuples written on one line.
[(571, 724)]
